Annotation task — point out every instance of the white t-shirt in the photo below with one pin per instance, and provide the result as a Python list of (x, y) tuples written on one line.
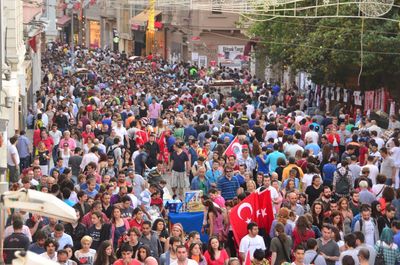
[(378, 189), (312, 135), (56, 136), (351, 252), (85, 258), (396, 155), (12, 150), (251, 244), (120, 132), (369, 234), (307, 179), (373, 172), (189, 262)]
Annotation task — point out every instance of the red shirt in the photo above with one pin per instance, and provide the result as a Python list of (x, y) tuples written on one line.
[(221, 261), (134, 223), (86, 135), (363, 151), (36, 137), (48, 142), (121, 262), (302, 238)]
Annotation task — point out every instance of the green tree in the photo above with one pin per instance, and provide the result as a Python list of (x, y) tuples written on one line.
[(329, 48)]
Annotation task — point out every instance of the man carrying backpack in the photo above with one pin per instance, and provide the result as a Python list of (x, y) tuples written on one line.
[(342, 181), (115, 151), (367, 225)]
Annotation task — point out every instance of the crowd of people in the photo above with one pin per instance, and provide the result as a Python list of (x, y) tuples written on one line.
[(116, 137)]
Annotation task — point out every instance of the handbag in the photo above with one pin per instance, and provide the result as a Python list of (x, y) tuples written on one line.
[(313, 260), (380, 258), (284, 251)]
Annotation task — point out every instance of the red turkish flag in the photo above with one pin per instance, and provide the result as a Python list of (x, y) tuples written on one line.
[(234, 148), (141, 137), (247, 261), (265, 214), (242, 214)]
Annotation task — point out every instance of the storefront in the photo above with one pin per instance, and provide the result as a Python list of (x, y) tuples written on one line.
[(139, 25), (94, 34)]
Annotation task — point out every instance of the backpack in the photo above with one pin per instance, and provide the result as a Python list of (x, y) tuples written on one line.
[(342, 184), (111, 153)]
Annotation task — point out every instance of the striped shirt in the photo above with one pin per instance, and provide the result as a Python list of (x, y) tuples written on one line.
[(228, 187)]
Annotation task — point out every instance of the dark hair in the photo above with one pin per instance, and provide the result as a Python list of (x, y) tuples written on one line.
[(348, 260), (146, 222), (360, 236), (302, 225), (280, 228), (102, 257), (350, 240), (155, 224), (148, 253), (59, 228), (50, 241), (299, 247), (62, 251), (191, 247), (259, 254), (174, 239), (210, 249), (17, 223), (311, 243), (251, 225), (388, 194), (126, 248), (193, 234)]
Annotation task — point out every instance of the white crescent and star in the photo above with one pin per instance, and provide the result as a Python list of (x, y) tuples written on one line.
[(242, 206)]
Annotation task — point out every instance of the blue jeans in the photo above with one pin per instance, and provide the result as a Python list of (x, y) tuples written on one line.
[(25, 162), (54, 154)]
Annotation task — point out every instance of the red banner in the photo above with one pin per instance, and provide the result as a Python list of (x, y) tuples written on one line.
[(257, 207), (234, 148)]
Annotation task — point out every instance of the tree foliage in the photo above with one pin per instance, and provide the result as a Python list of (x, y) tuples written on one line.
[(329, 48)]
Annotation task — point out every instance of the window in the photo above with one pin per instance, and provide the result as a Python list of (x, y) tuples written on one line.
[(216, 6)]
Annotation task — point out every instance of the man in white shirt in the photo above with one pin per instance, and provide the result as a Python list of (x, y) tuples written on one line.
[(350, 244), (360, 243), (92, 156), (367, 226), (313, 135), (373, 169), (51, 246), (251, 241), (121, 132), (56, 135), (13, 159), (378, 140), (182, 257)]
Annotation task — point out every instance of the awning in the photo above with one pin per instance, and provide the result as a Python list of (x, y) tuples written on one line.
[(30, 12), (63, 20), (140, 20)]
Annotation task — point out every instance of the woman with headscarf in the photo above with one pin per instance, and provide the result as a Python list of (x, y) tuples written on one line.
[(386, 246)]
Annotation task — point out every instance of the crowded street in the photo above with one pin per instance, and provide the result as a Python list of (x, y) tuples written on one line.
[(129, 157)]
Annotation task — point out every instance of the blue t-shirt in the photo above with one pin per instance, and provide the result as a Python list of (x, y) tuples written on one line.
[(313, 147), (262, 167), (272, 160), (327, 173)]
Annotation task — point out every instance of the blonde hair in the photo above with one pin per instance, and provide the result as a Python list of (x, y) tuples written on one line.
[(86, 239)]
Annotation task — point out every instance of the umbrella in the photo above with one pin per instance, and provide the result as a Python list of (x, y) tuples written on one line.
[(134, 58)]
